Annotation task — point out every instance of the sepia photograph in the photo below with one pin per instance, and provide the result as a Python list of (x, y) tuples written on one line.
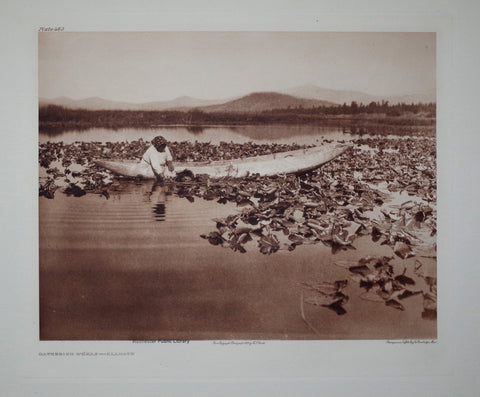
[(237, 185), (253, 198)]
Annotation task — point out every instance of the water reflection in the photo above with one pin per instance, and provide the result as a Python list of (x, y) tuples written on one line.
[(158, 197), (156, 193), (300, 134), (195, 129), (159, 211)]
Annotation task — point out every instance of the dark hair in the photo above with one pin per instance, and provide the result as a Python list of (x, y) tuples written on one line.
[(159, 142)]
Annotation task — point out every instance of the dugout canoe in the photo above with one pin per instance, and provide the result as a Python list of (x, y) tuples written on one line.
[(291, 162)]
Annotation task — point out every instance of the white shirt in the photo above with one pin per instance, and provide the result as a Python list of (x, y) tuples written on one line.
[(157, 160)]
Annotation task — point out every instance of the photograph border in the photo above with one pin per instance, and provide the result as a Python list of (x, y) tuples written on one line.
[(411, 363)]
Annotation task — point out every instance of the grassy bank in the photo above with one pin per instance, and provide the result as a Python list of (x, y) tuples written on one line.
[(389, 120)]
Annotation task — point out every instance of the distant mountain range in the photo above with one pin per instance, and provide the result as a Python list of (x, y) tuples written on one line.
[(341, 97), (307, 96), (96, 103)]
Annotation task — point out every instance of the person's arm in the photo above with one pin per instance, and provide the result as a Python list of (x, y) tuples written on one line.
[(169, 161)]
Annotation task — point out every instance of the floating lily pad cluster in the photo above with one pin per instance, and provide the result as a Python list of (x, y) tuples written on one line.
[(400, 164), (336, 204), (410, 228), (70, 167), (287, 211), (201, 151), (377, 277), (430, 295)]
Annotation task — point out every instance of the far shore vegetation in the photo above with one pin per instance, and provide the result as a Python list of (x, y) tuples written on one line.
[(374, 118)]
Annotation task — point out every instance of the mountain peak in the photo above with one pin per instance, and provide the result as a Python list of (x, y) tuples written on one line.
[(264, 101)]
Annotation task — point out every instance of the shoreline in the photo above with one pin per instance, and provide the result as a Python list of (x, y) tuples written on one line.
[(347, 127)]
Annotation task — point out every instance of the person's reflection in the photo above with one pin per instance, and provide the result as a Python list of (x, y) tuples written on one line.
[(157, 196), (159, 211)]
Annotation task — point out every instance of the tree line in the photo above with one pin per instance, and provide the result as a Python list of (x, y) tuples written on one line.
[(383, 107), (379, 112)]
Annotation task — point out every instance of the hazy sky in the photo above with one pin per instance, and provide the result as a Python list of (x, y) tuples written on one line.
[(142, 67)]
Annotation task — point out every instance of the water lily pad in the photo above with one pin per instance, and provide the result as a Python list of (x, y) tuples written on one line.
[(214, 238), (407, 294), (327, 294), (360, 269), (405, 280), (268, 244), (337, 307), (395, 304), (74, 190), (403, 250)]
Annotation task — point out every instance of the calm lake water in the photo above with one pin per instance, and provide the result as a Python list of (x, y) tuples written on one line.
[(263, 133), (135, 267)]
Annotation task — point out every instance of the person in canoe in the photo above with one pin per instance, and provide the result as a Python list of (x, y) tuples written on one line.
[(158, 157)]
